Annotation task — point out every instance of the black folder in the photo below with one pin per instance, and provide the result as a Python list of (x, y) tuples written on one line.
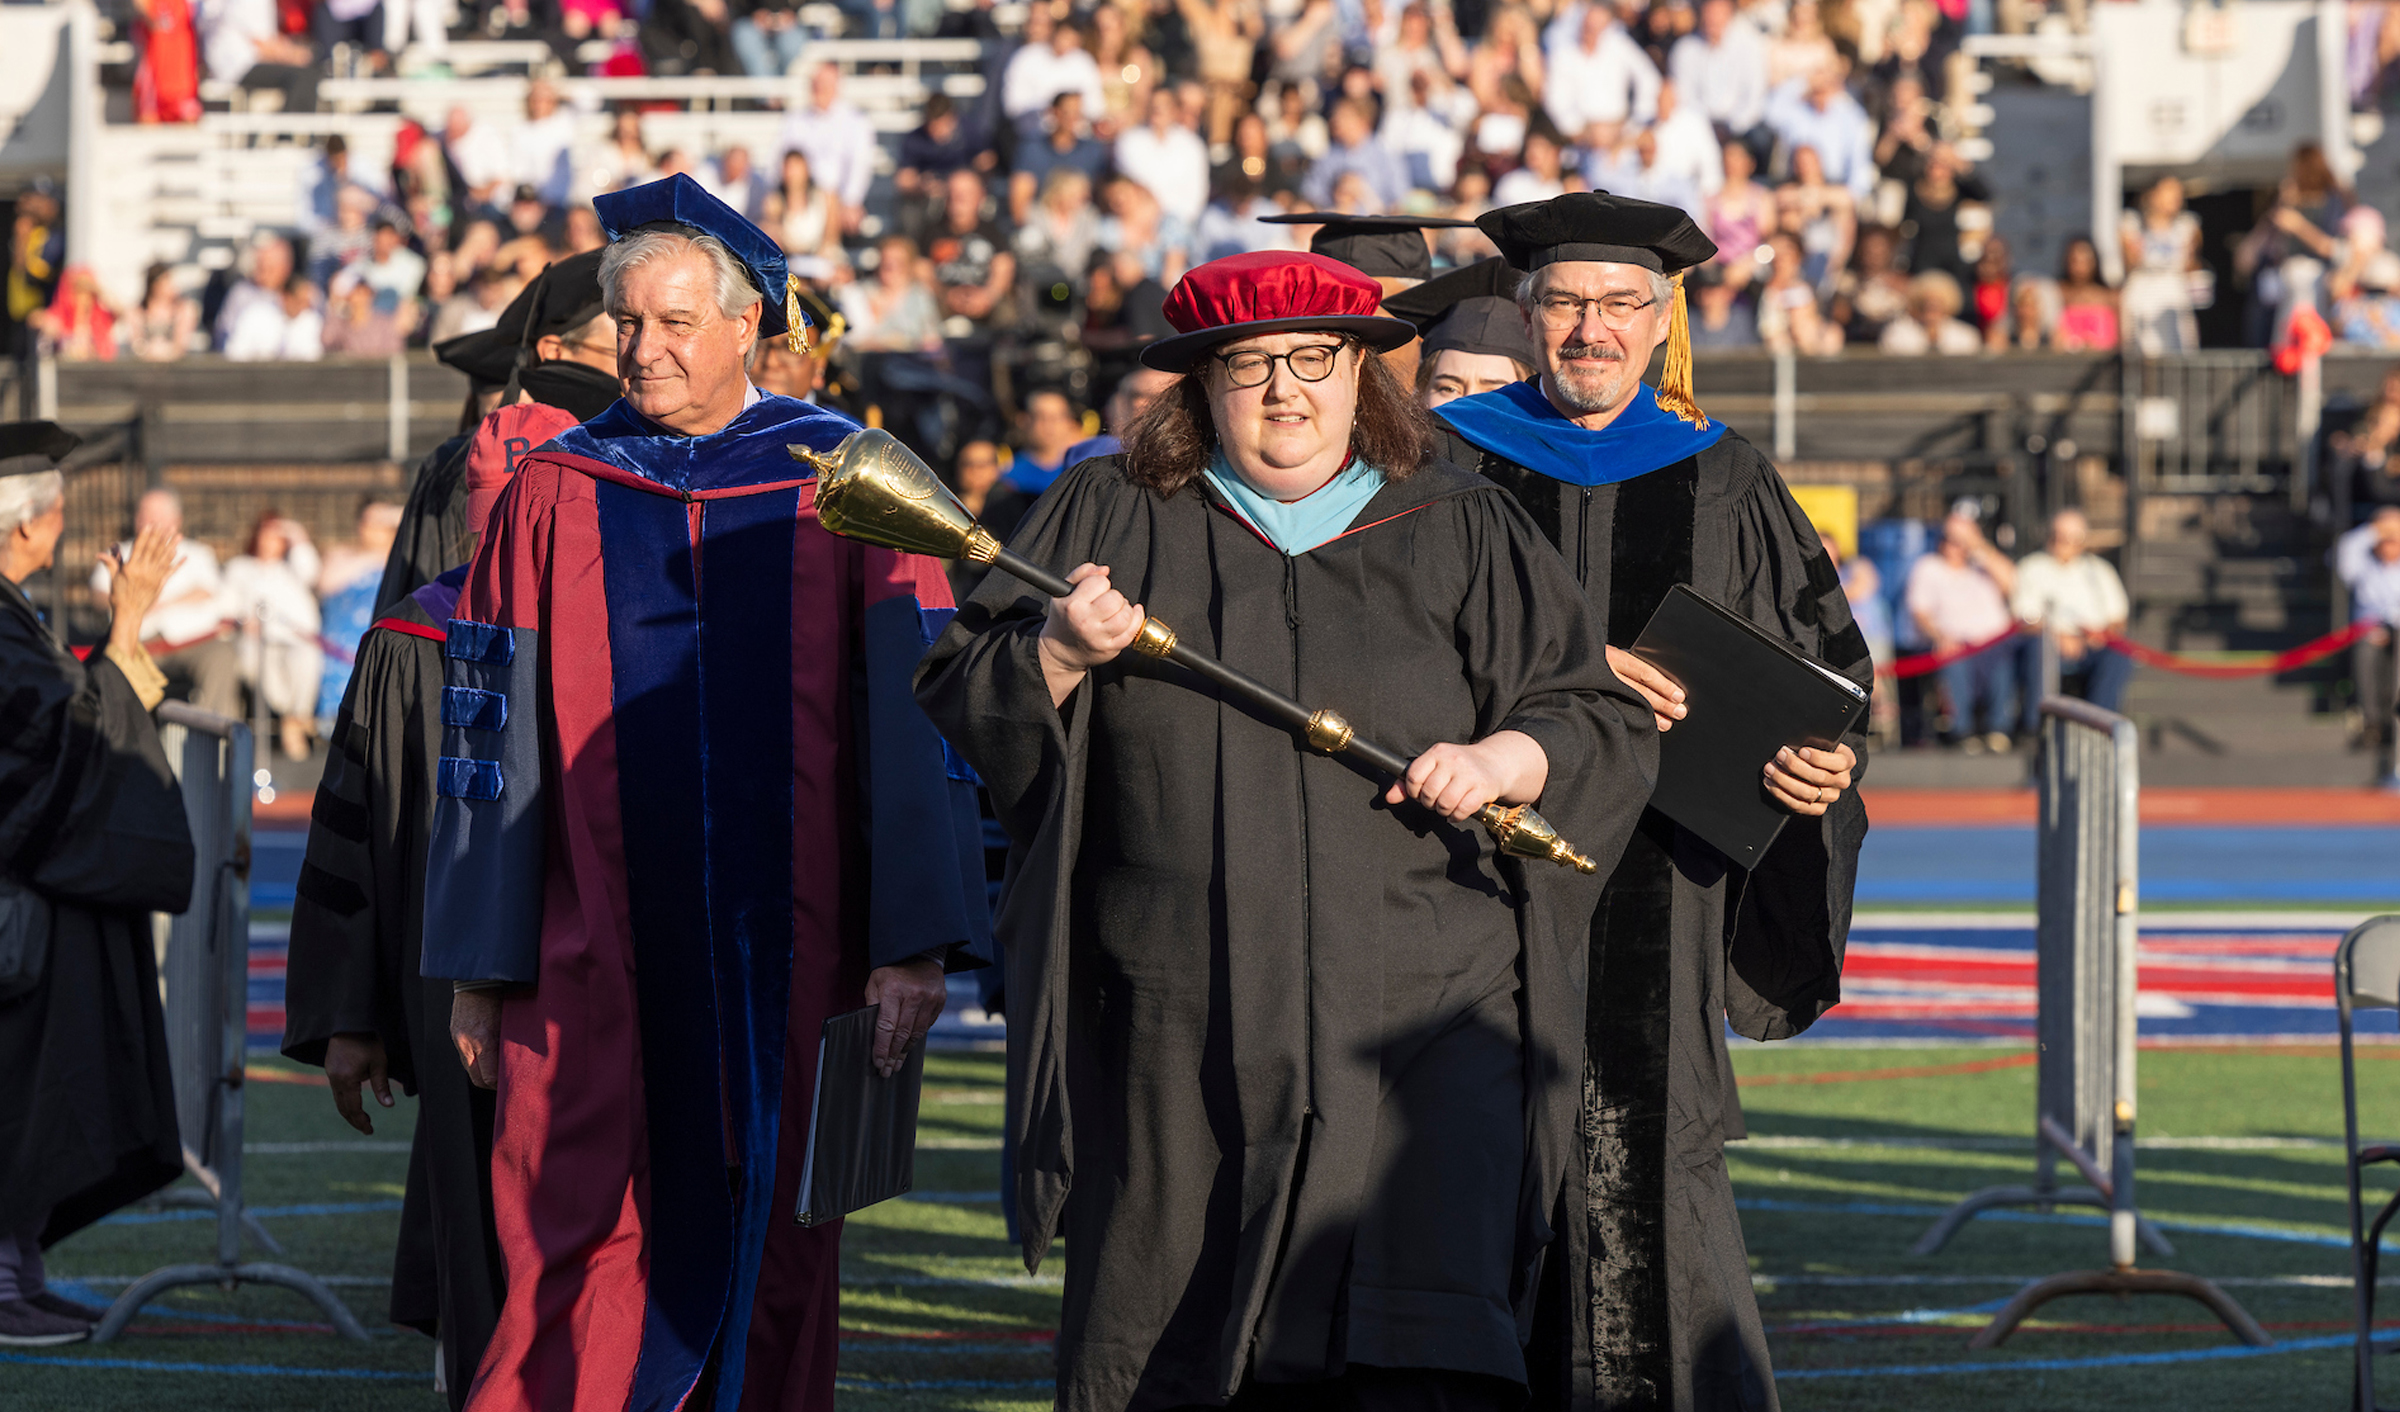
[(1750, 694), (862, 1127)]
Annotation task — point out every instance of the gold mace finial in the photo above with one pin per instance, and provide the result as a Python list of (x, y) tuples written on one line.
[(873, 489)]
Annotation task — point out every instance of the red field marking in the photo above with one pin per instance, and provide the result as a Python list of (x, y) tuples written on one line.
[(1913, 1071), (2319, 807), (284, 1076)]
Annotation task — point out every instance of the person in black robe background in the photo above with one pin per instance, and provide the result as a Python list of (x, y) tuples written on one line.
[(93, 839), (1293, 1058), (548, 334), (1651, 1306), (354, 1003)]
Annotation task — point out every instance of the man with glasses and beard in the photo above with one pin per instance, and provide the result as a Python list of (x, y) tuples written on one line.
[(1647, 1299)]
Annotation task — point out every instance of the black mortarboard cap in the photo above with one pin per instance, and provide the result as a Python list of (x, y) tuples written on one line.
[(1387, 247), (30, 447), (1472, 308), (1593, 225), (490, 355), (565, 298), (682, 201)]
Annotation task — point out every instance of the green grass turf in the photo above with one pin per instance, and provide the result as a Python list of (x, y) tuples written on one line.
[(934, 1296)]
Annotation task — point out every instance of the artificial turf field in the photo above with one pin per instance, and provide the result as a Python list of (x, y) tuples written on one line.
[(1854, 1149)]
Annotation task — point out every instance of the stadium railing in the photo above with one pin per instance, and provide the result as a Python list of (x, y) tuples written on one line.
[(2366, 976), (2086, 938), (207, 985)]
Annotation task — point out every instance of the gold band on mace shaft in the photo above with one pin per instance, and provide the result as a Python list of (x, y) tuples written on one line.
[(875, 490)]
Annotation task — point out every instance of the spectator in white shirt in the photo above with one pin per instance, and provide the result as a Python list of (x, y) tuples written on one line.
[(481, 154), (837, 139), (731, 179), (2373, 578), (1603, 77), (267, 268), (243, 43), (1424, 133), (390, 266), (185, 631), (1688, 150), (1958, 596), (1818, 112), (1722, 69), (1168, 158), (1932, 325), (1538, 175), (1050, 61), (2078, 599), (539, 147)]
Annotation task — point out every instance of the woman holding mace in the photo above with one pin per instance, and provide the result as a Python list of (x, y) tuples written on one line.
[(1294, 1046)]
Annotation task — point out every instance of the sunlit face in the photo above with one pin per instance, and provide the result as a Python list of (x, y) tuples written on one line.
[(1285, 437), (679, 355), (1458, 373), (1589, 368)]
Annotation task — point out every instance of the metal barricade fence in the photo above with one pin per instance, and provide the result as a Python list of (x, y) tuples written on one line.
[(2086, 938), (207, 983)]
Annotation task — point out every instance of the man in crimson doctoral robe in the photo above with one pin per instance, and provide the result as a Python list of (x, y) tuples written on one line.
[(355, 1003), (687, 810)]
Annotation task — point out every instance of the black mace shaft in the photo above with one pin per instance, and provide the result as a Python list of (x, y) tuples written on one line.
[(1518, 829)]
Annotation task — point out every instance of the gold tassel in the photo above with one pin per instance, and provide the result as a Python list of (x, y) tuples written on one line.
[(795, 323), (1675, 375)]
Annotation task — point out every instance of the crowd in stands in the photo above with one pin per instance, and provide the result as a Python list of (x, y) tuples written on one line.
[(269, 632), (1117, 145)]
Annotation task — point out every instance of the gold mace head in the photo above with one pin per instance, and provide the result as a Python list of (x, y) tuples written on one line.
[(873, 489)]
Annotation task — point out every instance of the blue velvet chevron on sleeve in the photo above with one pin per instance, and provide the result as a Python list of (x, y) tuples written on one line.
[(483, 869)]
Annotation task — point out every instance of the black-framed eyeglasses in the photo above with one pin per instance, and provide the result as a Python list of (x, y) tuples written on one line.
[(1565, 311), (1252, 368)]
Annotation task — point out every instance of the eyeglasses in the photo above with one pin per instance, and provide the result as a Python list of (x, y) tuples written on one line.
[(1251, 368), (1565, 311)]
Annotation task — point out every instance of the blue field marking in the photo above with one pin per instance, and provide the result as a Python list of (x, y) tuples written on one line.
[(2063, 1365), (336, 1208), (1995, 866), (247, 1370)]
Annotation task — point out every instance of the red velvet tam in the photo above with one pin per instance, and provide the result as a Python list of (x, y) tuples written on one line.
[(1271, 291)]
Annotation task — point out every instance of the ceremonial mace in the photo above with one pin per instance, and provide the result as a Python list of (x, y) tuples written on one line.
[(872, 489)]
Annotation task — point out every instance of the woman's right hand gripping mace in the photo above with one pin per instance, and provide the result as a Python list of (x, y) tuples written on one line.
[(872, 489)]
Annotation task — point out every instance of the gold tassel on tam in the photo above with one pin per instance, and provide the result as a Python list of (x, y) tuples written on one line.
[(795, 323), (1675, 375)]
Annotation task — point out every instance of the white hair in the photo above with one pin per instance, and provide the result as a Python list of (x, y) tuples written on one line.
[(24, 499), (1530, 290), (735, 292)]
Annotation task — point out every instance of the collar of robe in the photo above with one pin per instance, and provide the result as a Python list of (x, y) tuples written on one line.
[(1297, 526), (747, 454), (1518, 423)]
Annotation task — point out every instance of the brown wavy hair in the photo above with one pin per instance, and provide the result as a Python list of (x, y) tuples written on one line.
[(1168, 446)]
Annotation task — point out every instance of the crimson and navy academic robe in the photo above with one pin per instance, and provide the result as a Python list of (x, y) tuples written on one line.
[(685, 805)]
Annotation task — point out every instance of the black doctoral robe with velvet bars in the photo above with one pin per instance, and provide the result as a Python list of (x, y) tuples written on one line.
[(92, 820), (1651, 1305), (1295, 1068), (357, 934)]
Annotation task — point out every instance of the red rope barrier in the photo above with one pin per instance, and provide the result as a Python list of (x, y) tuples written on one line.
[(1924, 662), (2285, 661)]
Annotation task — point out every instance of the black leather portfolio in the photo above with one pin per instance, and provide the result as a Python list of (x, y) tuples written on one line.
[(1749, 694), (862, 1128)]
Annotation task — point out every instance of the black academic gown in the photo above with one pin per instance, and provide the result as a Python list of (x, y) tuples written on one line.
[(357, 930), (1294, 1069), (433, 523), (1652, 1305), (92, 821)]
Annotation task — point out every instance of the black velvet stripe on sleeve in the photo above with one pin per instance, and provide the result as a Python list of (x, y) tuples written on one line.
[(338, 895), (342, 817)]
